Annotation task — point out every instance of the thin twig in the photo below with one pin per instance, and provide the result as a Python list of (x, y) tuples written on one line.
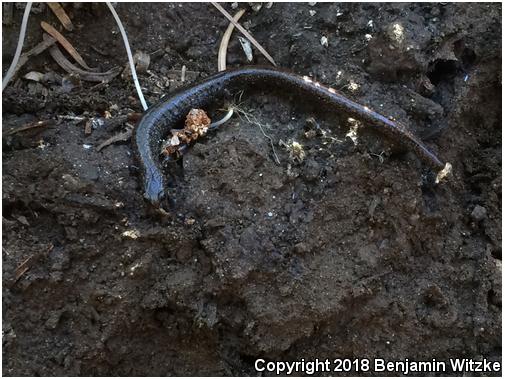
[(223, 47), (31, 125), (26, 264), (35, 51), (23, 267), (245, 33), (120, 137)]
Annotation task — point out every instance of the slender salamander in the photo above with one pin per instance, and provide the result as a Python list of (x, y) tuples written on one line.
[(157, 122)]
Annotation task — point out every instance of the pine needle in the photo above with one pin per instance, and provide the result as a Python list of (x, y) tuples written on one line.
[(245, 33)]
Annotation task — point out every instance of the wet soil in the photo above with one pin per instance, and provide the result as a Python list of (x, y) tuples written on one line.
[(347, 250)]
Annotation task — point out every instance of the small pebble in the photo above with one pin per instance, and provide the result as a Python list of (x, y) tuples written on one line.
[(302, 248), (479, 213)]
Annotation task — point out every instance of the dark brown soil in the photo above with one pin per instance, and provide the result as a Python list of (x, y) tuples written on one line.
[(352, 253)]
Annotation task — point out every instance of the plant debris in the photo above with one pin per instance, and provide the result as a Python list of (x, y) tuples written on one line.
[(295, 149), (245, 33), (66, 45), (246, 46), (196, 125), (120, 137), (34, 76), (447, 170), (42, 46), (30, 125), (24, 266), (62, 15), (223, 47), (141, 61), (85, 75)]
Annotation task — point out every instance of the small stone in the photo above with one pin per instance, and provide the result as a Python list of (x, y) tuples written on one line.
[(53, 319), (23, 220), (311, 170), (479, 213), (72, 184), (302, 248)]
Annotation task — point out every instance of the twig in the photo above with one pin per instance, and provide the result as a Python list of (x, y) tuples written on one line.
[(62, 15), (121, 137), (23, 267), (66, 45), (72, 118), (223, 47), (35, 51), (245, 33), (31, 125)]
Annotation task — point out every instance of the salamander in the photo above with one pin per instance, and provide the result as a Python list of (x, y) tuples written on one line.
[(158, 120)]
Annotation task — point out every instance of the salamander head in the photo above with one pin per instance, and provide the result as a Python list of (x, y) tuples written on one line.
[(154, 199), (154, 189)]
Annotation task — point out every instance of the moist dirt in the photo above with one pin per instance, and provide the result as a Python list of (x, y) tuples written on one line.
[(293, 232)]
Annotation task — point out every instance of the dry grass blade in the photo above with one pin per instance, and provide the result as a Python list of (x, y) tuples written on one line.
[(223, 47), (66, 45), (65, 64), (62, 15), (245, 33)]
